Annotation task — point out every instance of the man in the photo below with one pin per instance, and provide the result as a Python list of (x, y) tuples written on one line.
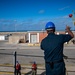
[(34, 68), (53, 49), (18, 68)]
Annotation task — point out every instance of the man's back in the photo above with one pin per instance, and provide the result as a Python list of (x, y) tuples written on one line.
[(18, 66), (53, 46)]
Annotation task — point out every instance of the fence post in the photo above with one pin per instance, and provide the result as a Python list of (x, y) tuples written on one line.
[(14, 62)]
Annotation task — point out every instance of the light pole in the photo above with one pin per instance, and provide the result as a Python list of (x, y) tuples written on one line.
[(43, 31), (15, 25), (15, 58), (73, 18)]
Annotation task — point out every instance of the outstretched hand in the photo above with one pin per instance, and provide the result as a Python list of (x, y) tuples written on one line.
[(69, 31), (68, 27)]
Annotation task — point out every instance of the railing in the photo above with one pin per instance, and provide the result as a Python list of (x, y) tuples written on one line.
[(11, 66)]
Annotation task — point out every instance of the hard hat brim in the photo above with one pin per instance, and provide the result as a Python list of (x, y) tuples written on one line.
[(49, 29)]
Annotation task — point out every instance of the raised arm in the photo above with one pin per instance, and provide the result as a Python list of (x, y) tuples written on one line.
[(69, 31)]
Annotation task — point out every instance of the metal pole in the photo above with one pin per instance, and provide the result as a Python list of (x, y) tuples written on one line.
[(14, 62)]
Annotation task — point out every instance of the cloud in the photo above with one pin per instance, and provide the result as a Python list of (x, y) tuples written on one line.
[(41, 11), (33, 24), (65, 16), (64, 8)]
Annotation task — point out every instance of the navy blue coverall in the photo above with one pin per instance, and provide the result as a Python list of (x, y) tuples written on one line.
[(53, 53)]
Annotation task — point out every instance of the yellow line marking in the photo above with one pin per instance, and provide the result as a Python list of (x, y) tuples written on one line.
[(6, 73), (9, 73), (10, 65)]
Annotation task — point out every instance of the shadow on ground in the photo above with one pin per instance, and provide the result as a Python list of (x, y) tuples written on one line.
[(43, 73), (29, 73)]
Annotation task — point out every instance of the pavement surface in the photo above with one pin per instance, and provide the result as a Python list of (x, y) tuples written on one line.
[(27, 54)]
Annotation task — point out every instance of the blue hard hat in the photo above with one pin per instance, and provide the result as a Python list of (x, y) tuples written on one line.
[(50, 25)]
